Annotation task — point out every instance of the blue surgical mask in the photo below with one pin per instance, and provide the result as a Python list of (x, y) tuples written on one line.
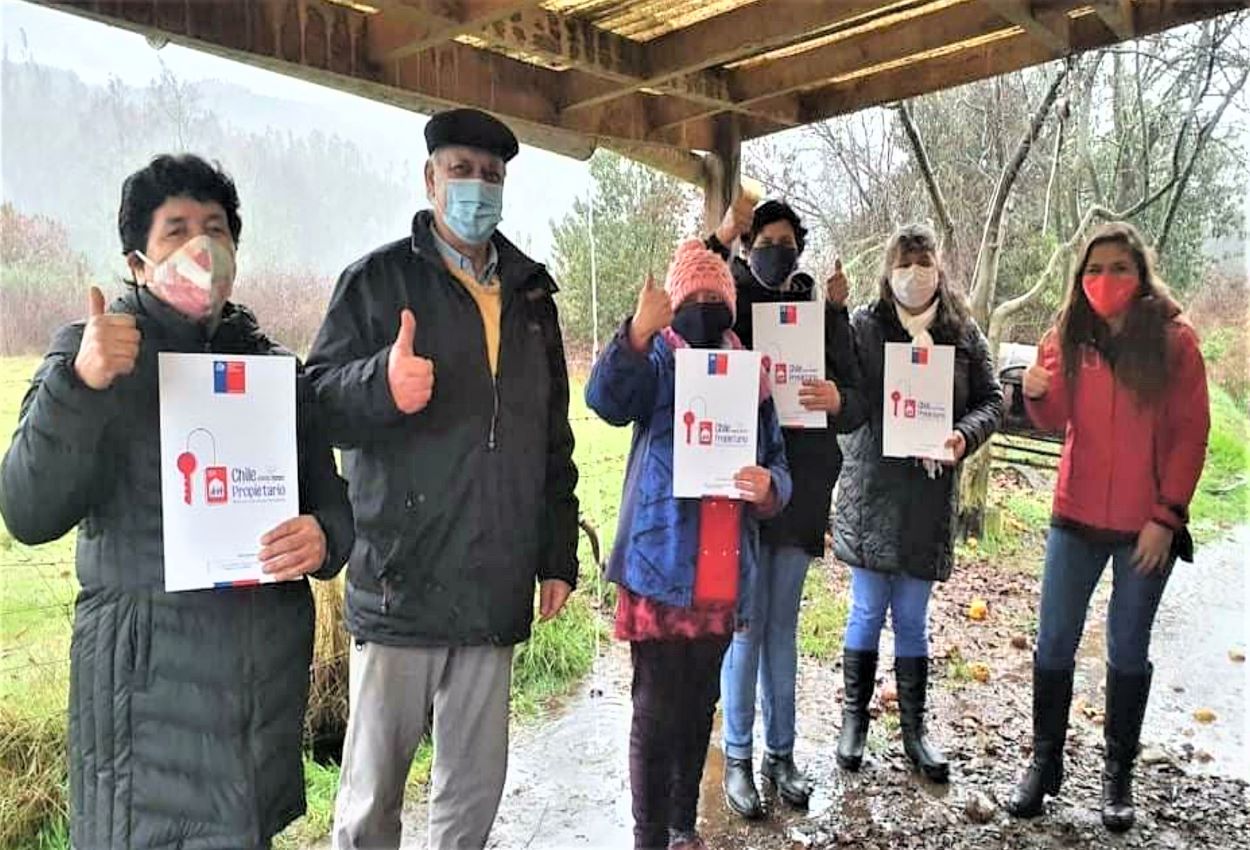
[(473, 209)]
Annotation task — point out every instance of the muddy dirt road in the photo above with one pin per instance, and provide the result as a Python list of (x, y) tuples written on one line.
[(568, 782)]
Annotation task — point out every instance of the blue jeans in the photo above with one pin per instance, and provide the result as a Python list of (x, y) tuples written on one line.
[(766, 652), (1073, 567), (907, 600)]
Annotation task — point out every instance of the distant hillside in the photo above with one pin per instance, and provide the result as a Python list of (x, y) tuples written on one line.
[(312, 201)]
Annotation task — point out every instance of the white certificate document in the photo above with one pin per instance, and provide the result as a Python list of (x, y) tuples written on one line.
[(229, 464), (919, 401), (715, 420), (791, 337)]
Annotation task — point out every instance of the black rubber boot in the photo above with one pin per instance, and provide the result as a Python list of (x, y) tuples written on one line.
[(859, 676), (740, 791), (1127, 695), (1052, 699), (912, 675), (792, 786)]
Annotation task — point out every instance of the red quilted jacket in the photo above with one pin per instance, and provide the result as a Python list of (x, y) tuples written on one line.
[(1125, 463)]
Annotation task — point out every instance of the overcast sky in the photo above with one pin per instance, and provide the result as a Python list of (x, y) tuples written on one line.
[(541, 185)]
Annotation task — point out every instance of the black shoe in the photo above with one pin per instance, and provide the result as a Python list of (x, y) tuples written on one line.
[(859, 676), (1126, 708), (792, 786), (1052, 699), (912, 675), (740, 792)]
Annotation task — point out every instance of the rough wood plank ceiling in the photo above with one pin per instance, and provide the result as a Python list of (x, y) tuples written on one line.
[(652, 78)]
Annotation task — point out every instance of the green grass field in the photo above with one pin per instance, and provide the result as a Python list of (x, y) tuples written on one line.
[(36, 599)]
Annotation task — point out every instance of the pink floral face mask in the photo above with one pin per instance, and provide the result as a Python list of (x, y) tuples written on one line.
[(196, 280)]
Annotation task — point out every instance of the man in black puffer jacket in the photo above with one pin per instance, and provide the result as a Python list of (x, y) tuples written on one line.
[(442, 369), (767, 652)]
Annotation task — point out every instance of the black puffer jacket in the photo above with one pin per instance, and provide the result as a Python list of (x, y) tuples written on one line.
[(186, 710), (891, 517), (460, 507), (814, 456)]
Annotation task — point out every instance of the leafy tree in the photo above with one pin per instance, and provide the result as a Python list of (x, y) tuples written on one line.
[(638, 216)]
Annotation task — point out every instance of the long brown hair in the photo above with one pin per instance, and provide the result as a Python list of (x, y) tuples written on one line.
[(1140, 351), (953, 309)]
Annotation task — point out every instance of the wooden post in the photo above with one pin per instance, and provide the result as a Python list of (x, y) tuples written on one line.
[(722, 170)]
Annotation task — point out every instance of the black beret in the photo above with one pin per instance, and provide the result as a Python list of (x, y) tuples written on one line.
[(471, 128)]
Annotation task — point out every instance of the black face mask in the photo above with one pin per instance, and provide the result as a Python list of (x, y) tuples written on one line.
[(772, 264), (702, 325)]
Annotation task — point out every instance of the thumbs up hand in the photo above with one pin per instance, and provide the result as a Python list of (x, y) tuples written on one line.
[(110, 345), (653, 314), (411, 378), (837, 287)]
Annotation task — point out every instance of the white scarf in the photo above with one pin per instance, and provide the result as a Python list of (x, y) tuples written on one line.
[(917, 328)]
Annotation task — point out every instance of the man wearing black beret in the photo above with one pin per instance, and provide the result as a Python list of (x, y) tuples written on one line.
[(440, 372)]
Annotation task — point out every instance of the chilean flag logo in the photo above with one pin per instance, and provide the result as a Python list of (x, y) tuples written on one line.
[(920, 357), (789, 314), (718, 364), (229, 377)]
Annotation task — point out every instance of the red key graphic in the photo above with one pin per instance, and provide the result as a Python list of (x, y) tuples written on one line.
[(186, 465), (688, 418)]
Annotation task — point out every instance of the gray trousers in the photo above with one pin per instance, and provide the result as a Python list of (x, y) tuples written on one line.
[(392, 691)]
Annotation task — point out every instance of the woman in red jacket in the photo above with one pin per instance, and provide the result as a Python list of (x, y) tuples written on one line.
[(1122, 373)]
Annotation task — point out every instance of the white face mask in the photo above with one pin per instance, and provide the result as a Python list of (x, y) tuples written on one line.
[(914, 286)]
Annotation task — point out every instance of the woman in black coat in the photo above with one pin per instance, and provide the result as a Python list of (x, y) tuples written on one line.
[(767, 652), (895, 517), (186, 710)]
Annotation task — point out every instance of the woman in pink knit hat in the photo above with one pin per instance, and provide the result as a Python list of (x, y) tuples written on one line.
[(684, 567)]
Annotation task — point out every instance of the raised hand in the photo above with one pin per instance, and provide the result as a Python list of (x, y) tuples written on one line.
[(1036, 381), (411, 378), (737, 220), (653, 314), (837, 287), (110, 345)]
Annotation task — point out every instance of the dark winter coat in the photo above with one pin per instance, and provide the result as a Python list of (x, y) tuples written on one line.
[(461, 506), (814, 456), (186, 709), (891, 517)]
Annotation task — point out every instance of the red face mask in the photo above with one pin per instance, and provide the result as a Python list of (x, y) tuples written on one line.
[(1110, 294)]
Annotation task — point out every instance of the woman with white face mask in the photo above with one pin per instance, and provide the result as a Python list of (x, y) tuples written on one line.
[(894, 521), (186, 710)]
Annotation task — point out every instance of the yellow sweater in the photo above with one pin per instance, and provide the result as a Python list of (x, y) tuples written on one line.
[(489, 304)]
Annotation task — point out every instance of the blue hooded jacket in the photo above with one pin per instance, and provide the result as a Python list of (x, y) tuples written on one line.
[(657, 536)]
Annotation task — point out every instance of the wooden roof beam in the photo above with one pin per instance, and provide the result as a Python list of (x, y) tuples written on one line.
[(327, 45), (755, 87), (1117, 15), (407, 27), (746, 31), (1050, 28), (1000, 57)]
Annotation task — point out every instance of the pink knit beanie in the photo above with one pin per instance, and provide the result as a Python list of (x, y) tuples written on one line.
[(696, 268)]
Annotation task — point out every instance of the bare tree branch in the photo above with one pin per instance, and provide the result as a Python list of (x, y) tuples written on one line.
[(1182, 180), (1054, 162), (986, 268), (949, 238)]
